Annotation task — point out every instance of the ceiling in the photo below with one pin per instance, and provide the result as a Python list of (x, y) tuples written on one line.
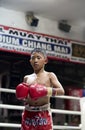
[(52, 9)]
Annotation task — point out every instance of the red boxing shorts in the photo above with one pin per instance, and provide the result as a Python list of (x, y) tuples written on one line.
[(35, 119)]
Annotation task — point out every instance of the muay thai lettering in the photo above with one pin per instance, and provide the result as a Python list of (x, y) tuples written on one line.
[(9, 40), (33, 36), (36, 121), (62, 49), (36, 44)]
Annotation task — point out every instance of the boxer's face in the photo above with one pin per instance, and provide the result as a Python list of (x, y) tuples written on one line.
[(38, 60)]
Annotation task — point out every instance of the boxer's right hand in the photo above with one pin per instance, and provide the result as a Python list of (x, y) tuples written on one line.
[(22, 91)]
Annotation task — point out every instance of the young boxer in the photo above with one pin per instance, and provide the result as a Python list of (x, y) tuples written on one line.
[(36, 90)]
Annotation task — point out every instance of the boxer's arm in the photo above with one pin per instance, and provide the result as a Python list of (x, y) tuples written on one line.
[(37, 91), (56, 84)]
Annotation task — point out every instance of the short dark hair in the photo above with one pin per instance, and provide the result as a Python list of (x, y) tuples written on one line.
[(39, 50)]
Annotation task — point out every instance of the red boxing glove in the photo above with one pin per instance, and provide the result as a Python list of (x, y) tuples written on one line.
[(37, 91), (22, 91)]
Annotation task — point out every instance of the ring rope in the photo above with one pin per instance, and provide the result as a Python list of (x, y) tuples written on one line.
[(7, 90), (13, 91), (16, 107), (14, 125)]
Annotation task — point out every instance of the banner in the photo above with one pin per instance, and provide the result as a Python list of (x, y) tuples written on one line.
[(22, 41)]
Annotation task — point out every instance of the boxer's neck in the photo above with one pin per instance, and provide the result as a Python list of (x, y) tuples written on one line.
[(38, 73)]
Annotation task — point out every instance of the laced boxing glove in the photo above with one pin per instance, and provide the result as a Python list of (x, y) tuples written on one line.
[(22, 91), (37, 91)]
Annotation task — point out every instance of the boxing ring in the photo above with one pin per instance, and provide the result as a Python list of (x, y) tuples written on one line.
[(59, 127)]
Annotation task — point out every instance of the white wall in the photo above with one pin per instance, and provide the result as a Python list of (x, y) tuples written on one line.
[(46, 26)]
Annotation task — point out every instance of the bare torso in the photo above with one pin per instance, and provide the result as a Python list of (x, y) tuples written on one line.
[(44, 79)]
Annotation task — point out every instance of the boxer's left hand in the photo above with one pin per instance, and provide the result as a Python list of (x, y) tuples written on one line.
[(37, 91)]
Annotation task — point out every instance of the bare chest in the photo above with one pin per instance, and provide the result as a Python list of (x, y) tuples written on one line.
[(43, 79)]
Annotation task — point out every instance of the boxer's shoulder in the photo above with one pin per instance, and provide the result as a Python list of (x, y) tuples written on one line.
[(30, 78), (25, 78), (51, 74)]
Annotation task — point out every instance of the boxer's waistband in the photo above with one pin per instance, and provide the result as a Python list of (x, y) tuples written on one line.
[(38, 108)]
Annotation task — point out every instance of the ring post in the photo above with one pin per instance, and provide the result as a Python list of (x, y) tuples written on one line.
[(82, 106)]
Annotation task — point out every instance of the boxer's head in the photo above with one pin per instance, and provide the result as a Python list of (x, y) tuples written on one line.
[(39, 50), (38, 58)]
